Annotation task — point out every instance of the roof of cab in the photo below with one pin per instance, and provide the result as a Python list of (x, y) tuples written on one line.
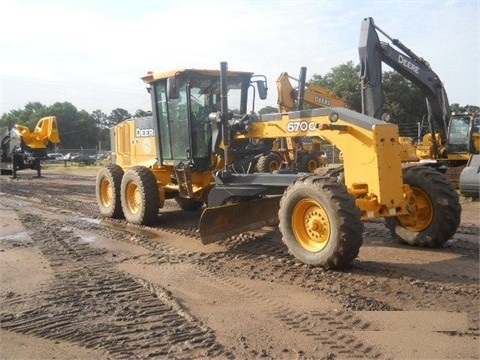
[(154, 76)]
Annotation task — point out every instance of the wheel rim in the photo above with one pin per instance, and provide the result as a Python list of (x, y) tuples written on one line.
[(106, 192), (133, 197), (273, 166), (310, 225), (312, 165), (422, 215)]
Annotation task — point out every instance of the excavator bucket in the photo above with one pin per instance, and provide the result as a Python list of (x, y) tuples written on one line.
[(220, 222)]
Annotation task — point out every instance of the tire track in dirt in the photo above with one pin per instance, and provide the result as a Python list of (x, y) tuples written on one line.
[(91, 304), (261, 256)]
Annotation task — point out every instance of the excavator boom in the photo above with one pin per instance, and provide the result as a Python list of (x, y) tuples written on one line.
[(314, 95)]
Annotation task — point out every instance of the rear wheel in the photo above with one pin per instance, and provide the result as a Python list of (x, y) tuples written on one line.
[(140, 198), (320, 223), (107, 191), (269, 163), (435, 209)]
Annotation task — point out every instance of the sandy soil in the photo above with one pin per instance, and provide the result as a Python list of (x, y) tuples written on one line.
[(74, 286)]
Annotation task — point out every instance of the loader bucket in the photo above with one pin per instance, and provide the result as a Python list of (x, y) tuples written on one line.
[(220, 222)]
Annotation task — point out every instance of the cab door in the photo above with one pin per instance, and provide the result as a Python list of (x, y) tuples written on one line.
[(173, 126)]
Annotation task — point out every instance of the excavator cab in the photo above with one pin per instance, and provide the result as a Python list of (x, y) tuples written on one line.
[(463, 130)]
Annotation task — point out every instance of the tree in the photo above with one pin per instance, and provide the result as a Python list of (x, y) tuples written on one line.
[(142, 113), (77, 129), (101, 118), (268, 110), (343, 80), (472, 109), (118, 115), (405, 103), (29, 116)]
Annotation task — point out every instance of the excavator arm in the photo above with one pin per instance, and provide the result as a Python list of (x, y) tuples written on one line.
[(313, 95), (374, 52)]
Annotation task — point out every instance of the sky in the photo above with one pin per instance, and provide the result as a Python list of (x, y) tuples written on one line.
[(93, 53)]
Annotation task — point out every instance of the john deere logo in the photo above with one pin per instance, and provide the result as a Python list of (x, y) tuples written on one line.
[(144, 132)]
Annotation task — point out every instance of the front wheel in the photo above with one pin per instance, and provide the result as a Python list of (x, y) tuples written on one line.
[(434, 209), (320, 222), (140, 198)]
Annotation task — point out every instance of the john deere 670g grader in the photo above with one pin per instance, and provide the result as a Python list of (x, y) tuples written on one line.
[(202, 157)]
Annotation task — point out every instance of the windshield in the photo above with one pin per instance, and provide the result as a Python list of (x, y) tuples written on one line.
[(459, 134), (205, 94)]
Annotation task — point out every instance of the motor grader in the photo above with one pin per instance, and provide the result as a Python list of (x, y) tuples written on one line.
[(200, 157)]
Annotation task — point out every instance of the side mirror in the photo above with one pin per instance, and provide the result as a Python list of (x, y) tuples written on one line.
[(262, 89), (172, 88)]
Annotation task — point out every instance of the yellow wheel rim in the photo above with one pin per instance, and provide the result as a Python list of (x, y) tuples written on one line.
[(310, 225), (422, 215), (106, 192), (133, 197), (312, 165)]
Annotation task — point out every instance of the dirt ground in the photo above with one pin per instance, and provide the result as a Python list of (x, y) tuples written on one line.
[(74, 286)]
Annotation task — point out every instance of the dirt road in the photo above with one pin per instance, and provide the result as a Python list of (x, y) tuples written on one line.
[(74, 286)]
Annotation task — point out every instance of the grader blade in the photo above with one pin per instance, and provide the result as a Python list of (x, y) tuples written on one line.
[(217, 223)]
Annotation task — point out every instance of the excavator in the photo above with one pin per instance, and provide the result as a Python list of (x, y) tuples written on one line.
[(193, 154), (303, 154), (452, 138), (24, 149)]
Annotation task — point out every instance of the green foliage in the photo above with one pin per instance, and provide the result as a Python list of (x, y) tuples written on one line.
[(471, 109), (268, 110), (118, 115), (343, 80), (77, 129), (142, 113)]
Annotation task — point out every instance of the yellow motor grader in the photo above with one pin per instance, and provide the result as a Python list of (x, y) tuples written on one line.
[(201, 157)]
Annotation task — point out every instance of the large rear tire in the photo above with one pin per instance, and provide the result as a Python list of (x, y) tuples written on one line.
[(320, 222), (140, 198), (436, 210), (269, 163), (107, 191)]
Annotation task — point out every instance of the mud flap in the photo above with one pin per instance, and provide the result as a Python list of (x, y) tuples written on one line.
[(220, 222)]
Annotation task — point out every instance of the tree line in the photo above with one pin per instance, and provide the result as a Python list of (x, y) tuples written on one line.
[(403, 100), (78, 129)]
